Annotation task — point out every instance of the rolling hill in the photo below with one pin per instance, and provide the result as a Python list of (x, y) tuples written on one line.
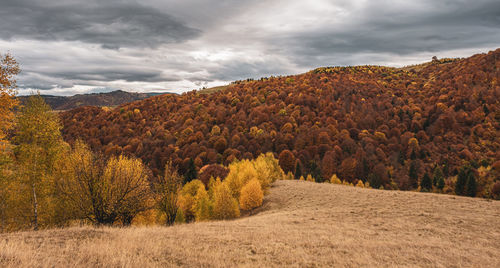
[(388, 126), (109, 99), (301, 224)]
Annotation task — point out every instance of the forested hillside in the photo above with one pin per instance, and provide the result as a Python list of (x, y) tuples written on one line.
[(113, 98), (434, 127)]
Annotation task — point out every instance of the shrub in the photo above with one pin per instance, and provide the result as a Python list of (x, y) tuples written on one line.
[(265, 168), (268, 170), (495, 190), (251, 195), (335, 180), (179, 217), (225, 205), (360, 184)]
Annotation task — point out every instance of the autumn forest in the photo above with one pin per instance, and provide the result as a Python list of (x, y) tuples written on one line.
[(214, 155), (431, 127)]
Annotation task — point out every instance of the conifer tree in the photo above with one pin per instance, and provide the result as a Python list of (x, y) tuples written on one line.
[(426, 183), (461, 181), (437, 175), (413, 175), (440, 184), (471, 185), (298, 171), (191, 172)]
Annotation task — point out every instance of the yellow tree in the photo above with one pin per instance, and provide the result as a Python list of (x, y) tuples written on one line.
[(187, 198), (225, 205), (9, 68), (251, 195), (167, 190), (37, 144), (104, 192), (125, 189), (202, 205)]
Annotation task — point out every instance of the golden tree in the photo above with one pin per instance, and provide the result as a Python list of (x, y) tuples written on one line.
[(202, 206), (225, 205), (126, 189), (38, 143), (186, 199), (240, 173), (167, 190), (251, 195), (9, 68), (104, 192)]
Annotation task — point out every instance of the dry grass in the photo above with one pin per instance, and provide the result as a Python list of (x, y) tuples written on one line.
[(301, 224)]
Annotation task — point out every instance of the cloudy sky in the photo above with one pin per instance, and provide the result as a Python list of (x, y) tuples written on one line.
[(78, 46)]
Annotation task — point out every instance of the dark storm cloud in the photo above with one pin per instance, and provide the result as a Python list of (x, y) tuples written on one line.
[(115, 74), (399, 30), (76, 45), (111, 24)]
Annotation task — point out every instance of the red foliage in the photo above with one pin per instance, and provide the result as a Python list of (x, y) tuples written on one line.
[(353, 121), (215, 171), (287, 161)]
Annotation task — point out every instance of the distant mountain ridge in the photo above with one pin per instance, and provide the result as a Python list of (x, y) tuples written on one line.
[(113, 98)]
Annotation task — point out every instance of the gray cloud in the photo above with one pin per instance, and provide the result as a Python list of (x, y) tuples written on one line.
[(398, 30), (179, 45), (112, 24)]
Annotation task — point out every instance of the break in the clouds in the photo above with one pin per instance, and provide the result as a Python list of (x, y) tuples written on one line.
[(76, 46)]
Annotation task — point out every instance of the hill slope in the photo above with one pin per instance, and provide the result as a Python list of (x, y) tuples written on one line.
[(365, 122), (113, 98), (301, 224)]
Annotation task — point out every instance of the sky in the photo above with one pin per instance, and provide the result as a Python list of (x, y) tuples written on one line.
[(82, 46)]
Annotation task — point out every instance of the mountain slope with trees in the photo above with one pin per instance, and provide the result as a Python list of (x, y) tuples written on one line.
[(388, 126), (113, 98)]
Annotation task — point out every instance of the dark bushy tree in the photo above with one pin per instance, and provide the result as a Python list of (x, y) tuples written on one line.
[(426, 183), (191, 172), (461, 181), (471, 185), (298, 170), (287, 161), (413, 173), (438, 175)]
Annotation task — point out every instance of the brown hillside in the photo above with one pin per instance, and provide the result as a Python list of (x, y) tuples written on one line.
[(303, 224), (108, 99), (362, 123)]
